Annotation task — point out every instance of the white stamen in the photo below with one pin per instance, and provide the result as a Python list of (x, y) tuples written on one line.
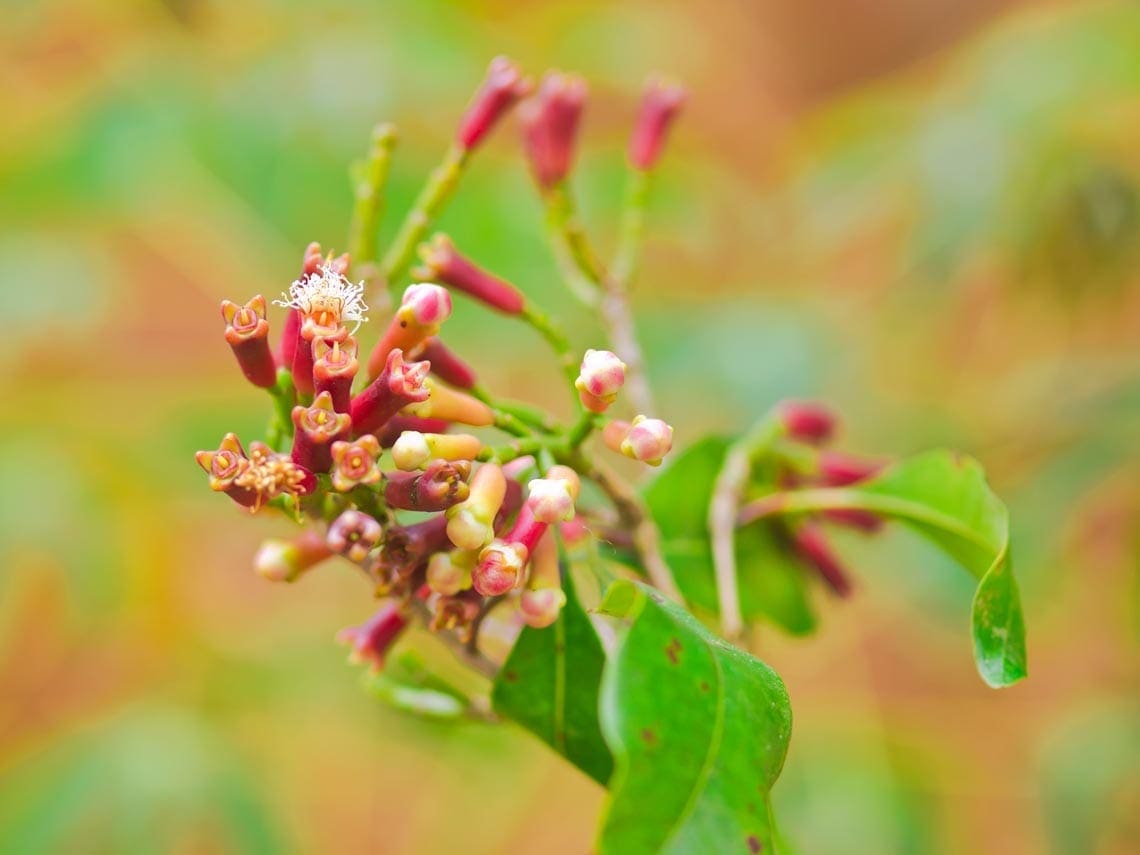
[(327, 291)]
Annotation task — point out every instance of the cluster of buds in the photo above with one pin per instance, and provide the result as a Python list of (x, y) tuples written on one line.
[(378, 452), (812, 426)]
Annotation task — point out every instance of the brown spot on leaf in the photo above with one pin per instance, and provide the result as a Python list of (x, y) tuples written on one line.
[(673, 651), (511, 676), (754, 844), (649, 736), (704, 685)]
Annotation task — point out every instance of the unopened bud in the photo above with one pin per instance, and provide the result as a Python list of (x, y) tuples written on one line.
[(371, 640), (810, 543), (446, 365), (550, 500), (807, 421), (443, 263), (470, 524), (550, 126), (422, 311), (501, 88), (413, 449), (660, 104), (449, 573), (499, 569), (837, 469), (279, 560), (600, 378), (451, 405), (646, 440)]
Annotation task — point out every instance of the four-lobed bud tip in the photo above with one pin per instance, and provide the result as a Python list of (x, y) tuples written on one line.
[(644, 439), (550, 126), (600, 377), (660, 104), (501, 88)]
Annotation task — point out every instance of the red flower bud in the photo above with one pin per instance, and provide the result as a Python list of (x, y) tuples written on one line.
[(811, 546), (660, 104), (837, 469), (500, 568), (355, 463), (446, 365), (807, 421), (399, 385), (354, 534), (334, 367), (316, 428), (646, 440), (501, 88), (441, 485), (550, 126), (371, 640), (247, 333), (443, 263), (424, 308)]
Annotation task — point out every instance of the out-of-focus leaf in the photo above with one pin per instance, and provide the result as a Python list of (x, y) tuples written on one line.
[(945, 497), (771, 584), (550, 682), (699, 731), (408, 685)]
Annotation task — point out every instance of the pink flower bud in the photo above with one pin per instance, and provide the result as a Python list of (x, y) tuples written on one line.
[(807, 421), (247, 333), (371, 641), (281, 560), (660, 104), (837, 469), (573, 531), (550, 500), (414, 449), (810, 544), (550, 126), (448, 573), (354, 534), (500, 568), (443, 263), (565, 473), (423, 309), (541, 608), (470, 524), (600, 377), (446, 365), (399, 385), (224, 466), (355, 463), (647, 440), (441, 485), (316, 428), (334, 367), (501, 88), (451, 405)]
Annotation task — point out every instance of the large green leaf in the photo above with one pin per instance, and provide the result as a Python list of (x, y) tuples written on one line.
[(699, 731), (550, 682), (944, 496), (771, 584)]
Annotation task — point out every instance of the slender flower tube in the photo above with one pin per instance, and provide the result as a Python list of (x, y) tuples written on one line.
[(810, 544), (550, 126), (451, 405), (422, 311), (443, 263), (660, 104), (354, 534), (448, 573), (394, 428), (316, 428), (224, 466), (542, 600), (600, 377), (247, 333), (441, 485), (413, 449), (269, 474), (334, 367), (470, 524), (446, 365), (371, 641), (646, 440), (407, 549), (399, 385), (501, 88), (807, 421), (325, 301), (355, 463), (280, 560)]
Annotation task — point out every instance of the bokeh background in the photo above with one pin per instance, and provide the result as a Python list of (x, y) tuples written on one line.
[(926, 212)]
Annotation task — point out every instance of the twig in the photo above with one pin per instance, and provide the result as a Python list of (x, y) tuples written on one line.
[(472, 643), (368, 191), (472, 657)]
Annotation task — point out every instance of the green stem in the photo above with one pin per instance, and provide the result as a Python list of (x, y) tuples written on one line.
[(631, 232), (581, 429), (369, 179), (512, 450), (439, 188), (577, 262), (284, 398), (552, 333)]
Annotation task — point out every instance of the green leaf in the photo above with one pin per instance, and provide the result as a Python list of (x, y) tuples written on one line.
[(550, 683), (944, 496), (699, 732), (771, 584)]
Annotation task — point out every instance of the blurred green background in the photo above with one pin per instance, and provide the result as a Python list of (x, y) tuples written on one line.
[(925, 212)]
